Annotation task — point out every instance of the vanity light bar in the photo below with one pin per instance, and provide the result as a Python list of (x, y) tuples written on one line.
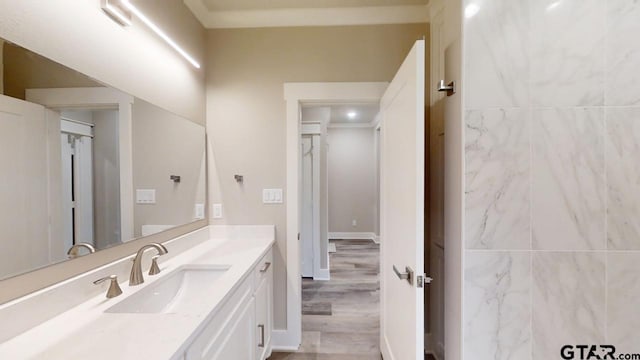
[(158, 31), (116, 13)]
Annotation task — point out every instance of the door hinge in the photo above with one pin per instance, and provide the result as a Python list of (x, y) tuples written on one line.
[(422, 280)]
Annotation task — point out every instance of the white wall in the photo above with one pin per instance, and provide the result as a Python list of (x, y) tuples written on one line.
[(352, 180), (79, 35)]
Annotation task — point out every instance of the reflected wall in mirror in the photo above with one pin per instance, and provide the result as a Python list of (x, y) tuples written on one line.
[(85, 166)]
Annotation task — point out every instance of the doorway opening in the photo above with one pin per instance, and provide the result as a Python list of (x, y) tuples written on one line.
[(404, 237), (90, 177), (339, 222), (339, 180)]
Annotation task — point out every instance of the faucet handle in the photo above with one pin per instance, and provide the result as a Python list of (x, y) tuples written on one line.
[(114, 287), (154, 269)]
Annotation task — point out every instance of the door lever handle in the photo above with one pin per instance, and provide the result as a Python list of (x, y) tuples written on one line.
[(407, 275), (450, 89)]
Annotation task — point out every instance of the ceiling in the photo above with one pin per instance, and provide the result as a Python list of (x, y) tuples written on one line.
[(364, 113), (214, 14), (235, 5)]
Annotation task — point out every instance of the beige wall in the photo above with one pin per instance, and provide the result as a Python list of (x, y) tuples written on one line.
[(246, 108), (352, 180), (24, 69), (165, 144), (131, 59)]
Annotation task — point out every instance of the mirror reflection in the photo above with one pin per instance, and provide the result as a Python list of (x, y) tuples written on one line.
[(85, 166)]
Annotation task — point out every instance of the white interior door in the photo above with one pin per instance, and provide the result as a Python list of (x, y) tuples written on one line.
[(24, 218), (306, 233), (402, 210)]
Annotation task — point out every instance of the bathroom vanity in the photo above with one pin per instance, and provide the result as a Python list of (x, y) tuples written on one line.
[(211, 300)]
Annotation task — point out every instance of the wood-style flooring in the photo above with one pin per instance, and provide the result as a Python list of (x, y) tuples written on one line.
[(341, 317)]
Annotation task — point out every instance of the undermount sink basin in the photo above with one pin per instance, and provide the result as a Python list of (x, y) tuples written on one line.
[(178, 292)]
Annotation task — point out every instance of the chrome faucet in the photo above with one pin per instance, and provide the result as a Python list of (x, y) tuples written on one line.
[(73, 251), (136, 277)]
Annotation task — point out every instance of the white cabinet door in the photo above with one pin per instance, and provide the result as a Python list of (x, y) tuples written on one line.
[(237, 340), (230, 334), (263, 319)]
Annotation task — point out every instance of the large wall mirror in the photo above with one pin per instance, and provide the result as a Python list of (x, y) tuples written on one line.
[(85, 167)]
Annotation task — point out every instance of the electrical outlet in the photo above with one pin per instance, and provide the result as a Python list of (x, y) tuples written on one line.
[(217, 211), (199, 211)]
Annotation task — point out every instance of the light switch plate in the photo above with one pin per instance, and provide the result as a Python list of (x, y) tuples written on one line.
[(199, 211), (272, 196), (217, 211), (145, 196)]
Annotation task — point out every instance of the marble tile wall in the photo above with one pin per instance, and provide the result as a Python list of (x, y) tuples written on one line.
[(552, 176)]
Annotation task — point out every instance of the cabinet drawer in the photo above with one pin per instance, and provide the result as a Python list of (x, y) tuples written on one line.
[(264, 267)]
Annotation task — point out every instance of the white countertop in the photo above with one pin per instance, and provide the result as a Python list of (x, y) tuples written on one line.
[(87, 332)]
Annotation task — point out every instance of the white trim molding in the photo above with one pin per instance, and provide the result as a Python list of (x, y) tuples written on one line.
[(352, 236), (311, 128), (322, 275), (370, 124), (284, 17), (280, 340)]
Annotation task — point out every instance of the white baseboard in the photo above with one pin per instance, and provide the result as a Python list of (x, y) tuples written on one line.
[(281, 341), (431, 346), (352, 236), (323, 275)]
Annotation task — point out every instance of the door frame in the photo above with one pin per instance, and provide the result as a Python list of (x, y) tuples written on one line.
[(313, 131), (77, 130), (102, 98), (295, 94)]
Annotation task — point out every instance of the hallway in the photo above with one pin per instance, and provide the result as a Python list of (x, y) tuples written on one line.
[(340, 317)]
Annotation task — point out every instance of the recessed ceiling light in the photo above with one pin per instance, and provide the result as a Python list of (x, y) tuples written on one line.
[(351, 114)]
